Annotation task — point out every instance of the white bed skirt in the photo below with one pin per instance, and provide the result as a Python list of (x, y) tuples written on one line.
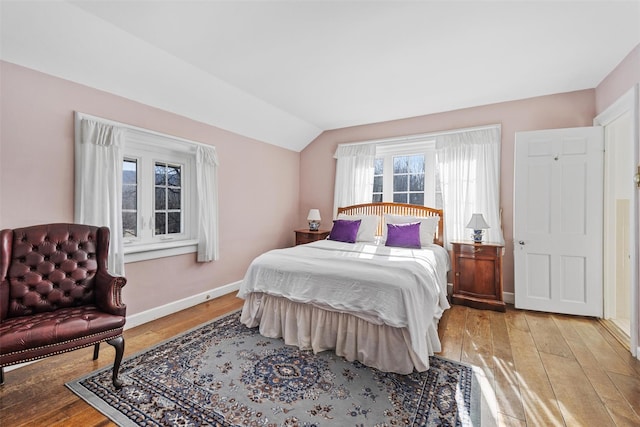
[(311, 328)]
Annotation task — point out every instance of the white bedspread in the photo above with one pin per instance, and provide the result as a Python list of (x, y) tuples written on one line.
[(398, 287)]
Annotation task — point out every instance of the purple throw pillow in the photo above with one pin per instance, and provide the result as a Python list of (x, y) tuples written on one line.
[(404, 235), (344, 230)]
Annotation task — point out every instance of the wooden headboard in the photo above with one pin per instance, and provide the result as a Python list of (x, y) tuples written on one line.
[(403, 209)]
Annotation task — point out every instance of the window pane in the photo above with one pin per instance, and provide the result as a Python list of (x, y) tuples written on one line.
[(416, 199), (161, 198), (161, 174), (168, 197), (130, 172), (174, 198), (416, 182), (174, 222), (129, 224), (400, 197), (160, 223), (173, 175), (400, 183), (377, 184), (129, 197), (400, 164), (416, 164), (378, 167), (377, 198)]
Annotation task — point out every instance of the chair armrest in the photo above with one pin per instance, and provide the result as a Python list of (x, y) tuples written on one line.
[(108, 293)]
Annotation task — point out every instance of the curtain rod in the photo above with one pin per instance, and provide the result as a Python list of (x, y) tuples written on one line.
[(417, 137), (80, 115)]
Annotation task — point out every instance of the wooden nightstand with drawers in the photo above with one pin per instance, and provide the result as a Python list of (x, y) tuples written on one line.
[(477, 275), (307, 236)]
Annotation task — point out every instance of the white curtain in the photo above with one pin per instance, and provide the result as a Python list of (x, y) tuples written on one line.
[(207, 188), (354, 175), (98, 184), (470, 176)]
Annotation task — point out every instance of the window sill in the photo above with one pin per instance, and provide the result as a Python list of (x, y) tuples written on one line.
[(159, 250)]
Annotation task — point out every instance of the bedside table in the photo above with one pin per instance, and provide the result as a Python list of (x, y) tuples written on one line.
[(307, 236), (477, 275)]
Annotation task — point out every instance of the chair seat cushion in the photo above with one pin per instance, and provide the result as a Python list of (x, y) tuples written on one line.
[(63, 325)]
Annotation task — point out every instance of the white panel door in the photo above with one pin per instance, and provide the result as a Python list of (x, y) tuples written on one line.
[(558, 211)]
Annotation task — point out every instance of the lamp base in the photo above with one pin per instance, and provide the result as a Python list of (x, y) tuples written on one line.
[(314, 225), (477, 236)]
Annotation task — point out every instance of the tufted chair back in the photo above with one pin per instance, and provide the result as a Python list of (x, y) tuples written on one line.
[(50, 266)]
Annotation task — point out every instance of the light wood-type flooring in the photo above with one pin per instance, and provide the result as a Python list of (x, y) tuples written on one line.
[(536, 369)]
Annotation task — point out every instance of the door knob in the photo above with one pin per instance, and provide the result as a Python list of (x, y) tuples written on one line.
[(521, 242)]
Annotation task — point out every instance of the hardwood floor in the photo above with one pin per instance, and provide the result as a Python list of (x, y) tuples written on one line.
[(536, 369), (545, 369)]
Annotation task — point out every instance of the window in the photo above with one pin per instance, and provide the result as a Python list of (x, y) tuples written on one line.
[(157, 193), (158, 199), (408, 179), (407, 173), (168, 200)]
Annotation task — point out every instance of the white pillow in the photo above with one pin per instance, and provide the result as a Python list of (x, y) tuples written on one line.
[(428, 226), (368, 226)]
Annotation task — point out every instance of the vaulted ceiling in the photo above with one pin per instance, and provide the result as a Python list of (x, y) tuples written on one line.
[(284, 71)]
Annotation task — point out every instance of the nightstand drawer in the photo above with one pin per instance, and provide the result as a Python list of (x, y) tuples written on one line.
[(478, 250), (307, 236)]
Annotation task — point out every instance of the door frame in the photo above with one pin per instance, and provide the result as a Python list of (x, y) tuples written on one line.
[(629, 102)]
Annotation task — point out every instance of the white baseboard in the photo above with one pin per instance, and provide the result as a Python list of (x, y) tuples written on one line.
[(509, 297), (175, 306), (163, 310)]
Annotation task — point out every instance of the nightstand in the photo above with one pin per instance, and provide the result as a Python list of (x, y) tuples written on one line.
[(307, 236), (477, 275)]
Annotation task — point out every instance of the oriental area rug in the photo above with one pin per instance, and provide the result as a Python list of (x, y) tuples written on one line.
[(225, 374)]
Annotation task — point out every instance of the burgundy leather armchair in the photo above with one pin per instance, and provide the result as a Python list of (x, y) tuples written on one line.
[(56, 294)]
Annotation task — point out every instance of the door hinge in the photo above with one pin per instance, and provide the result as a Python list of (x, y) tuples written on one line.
[(636, 177)]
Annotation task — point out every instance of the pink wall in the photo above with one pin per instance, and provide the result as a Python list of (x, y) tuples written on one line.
[(317, 164), (36, 149), (619, 81), (258, 192)]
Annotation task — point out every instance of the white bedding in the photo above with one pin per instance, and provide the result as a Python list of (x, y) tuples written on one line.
[(397, 287)]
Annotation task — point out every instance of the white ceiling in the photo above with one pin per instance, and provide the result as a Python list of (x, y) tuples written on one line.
[(283, 72)]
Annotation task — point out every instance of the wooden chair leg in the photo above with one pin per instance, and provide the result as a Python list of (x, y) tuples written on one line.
[(118, 344), (96, 350)]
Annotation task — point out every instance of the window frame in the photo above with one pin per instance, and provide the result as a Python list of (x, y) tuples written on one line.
[(425, 147), (407, 191), (149, 148)]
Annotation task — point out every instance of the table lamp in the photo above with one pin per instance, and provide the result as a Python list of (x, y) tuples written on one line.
[(314, 219), (478, 225)]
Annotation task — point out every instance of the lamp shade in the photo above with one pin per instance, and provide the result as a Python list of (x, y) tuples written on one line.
[(477, 222), (314, 215)]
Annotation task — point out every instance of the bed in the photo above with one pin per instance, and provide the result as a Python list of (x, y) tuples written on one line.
[(365, 300)]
